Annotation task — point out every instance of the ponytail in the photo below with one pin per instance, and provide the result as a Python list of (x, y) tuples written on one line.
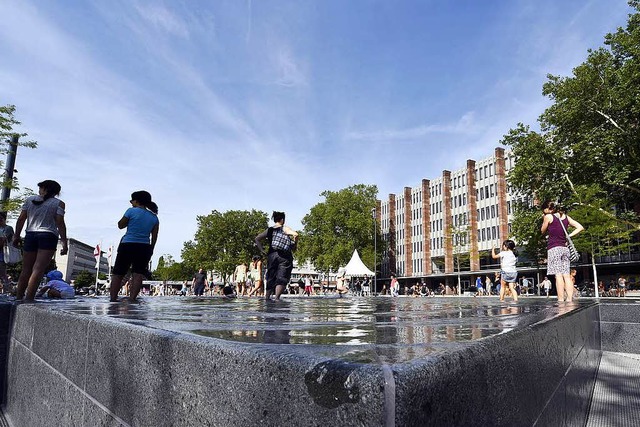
[(52, 189)]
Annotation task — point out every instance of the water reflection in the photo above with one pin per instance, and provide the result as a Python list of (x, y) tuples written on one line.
[(391, 329)]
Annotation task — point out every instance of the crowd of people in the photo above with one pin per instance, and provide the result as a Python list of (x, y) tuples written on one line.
[(42, 218)]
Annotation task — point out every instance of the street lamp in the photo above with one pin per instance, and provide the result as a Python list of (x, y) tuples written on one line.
[(375, 251)]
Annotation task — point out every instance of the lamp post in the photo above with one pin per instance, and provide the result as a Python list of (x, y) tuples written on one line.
[(375, 251), (10, 166)]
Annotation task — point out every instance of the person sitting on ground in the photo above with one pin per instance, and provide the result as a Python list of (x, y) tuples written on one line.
[(56, 287), (341, 285)]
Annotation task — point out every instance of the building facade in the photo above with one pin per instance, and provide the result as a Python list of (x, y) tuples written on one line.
[(462, 213), (78, 258)]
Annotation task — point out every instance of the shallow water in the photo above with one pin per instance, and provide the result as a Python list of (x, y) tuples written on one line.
[(363, 329)]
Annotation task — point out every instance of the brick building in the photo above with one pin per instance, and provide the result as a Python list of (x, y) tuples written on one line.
[(429, 226)]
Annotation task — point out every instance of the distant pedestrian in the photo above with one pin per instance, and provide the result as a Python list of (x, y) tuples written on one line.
[(479, 289), (184, 290), (6, 238), (341, 282), (199, 282), (395, 286), (308, 285), (255, 274), (546, 284), (282, 241), (44, 215), (622, 286), (573, 272), (136, 247), (508, 257), (558, 262), (240, 278), (488, 284)]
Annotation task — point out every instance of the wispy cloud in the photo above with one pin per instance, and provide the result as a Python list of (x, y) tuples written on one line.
[(161, 18), (290, 71), (465, 125), (240, 105)]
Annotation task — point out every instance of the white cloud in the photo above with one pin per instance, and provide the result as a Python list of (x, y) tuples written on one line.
[(161, 18), (465, 125)]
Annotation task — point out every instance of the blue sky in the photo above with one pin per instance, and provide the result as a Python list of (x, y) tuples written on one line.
[(265, 104)]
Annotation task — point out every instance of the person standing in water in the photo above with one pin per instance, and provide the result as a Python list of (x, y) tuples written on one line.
[(136, 247), (44, 215), (508, 257), (556, 224), (282, 241)]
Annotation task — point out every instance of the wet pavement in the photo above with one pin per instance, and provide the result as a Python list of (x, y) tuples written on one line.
[(369, 330)]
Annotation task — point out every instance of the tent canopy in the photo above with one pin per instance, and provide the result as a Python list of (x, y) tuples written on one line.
[(356, 267)]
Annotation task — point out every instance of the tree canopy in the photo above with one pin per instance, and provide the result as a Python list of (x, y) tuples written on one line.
[(169, 269), (8, 123), (334, 228), (223, 240), (587, 151)]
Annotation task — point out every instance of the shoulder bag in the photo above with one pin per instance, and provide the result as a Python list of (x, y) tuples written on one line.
[(12, 255), (574, 255)]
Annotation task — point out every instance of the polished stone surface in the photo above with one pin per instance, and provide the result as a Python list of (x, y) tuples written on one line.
[(340, 362), (364, 330)]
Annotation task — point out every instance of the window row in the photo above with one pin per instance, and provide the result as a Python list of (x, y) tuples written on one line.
[(487, 169), (488, 212)]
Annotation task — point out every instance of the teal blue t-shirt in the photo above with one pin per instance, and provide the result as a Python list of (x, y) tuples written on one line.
[(141, 222)]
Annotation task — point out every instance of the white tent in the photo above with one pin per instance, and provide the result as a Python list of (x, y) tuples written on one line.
[(356, 267)]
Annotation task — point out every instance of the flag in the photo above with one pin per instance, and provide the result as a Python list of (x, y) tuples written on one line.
[(109, 253), (96, 254)]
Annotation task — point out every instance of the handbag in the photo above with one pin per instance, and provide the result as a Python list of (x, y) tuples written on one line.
[(12, 255), (574, 255)]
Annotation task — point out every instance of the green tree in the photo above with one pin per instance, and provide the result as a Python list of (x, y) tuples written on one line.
[(169, 269), (586, 153), (84, 279), (8, 122), (458, 236), (340, 224), (223, 240)]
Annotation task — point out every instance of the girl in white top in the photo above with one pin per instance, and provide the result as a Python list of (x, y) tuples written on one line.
[(508, 273), (44, 217)]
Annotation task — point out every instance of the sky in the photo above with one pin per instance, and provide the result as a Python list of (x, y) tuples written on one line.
[(240, 104)]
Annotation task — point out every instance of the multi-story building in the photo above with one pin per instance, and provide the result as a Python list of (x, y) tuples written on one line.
[(79, 257), (466, 211)]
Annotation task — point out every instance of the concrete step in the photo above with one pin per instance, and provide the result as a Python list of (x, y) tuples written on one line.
[(616, 397)]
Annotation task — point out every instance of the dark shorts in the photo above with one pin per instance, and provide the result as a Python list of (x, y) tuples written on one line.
[(279, 267), (134, 255), (199, 289), (35, 240)]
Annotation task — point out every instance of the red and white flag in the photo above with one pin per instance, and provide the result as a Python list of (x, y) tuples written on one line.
[(109, 253), (96, 254)]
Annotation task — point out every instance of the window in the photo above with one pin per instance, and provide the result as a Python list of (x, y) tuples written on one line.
[(493, 211), (483, 235)]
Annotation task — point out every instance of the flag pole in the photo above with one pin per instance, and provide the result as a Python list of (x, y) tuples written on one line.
[(98, 254), (109, 256)]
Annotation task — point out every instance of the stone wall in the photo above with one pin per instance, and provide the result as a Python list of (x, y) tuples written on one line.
[(620, 325), (71, 370)]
